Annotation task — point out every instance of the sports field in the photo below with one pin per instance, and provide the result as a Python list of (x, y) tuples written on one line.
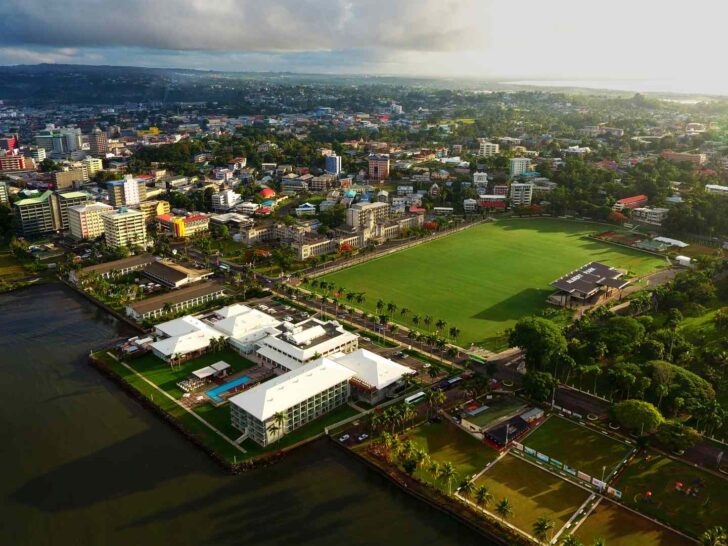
[(577, 446), (620, 527), (693, 511), (445, 443), (533, 493), (483, 279)]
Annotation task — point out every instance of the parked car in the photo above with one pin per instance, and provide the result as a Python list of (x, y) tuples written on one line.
[(344, 438), (363, 436)]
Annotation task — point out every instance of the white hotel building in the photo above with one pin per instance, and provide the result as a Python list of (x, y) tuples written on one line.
[(85, 222), (299, 396)]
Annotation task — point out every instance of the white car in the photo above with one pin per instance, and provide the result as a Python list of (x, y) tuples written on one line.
[(363, 437), (344, 438)]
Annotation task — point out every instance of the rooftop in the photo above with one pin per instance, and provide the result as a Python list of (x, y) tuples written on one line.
[(156, 303), (124, 263), (372, 369), (291, 388)]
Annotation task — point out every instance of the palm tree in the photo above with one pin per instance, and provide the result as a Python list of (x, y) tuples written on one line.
[(391, 308), (427, 320), (420, 457), (483, 496), (360, 297), (416, 320), (380, 305), (447, 473), (571, 540), (454, 333), (599, 542), (542, 528), (717, 536), (504, 509), (403, 312), (279, 423), (434, 469), (466, 488), (440, 325)]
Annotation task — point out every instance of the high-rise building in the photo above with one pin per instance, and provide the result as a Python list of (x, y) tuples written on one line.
[(93, 165), (152, 209), (4, 195), (225, 200), (366, 215), (38, 155), (69, 178), (333, 164), (521, 193), (379, 166), (35, 215), (98, 142), (16, 163), (59, 140), (519, 165), (487, 149), (124, 227), (8, 143), (63, 201), (128, 191), (85, 222)]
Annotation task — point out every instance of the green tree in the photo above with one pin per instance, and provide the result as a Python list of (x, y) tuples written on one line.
[(466, 487), (482, 496), (539, 385), (717, 536), (638, 416), (676, 436), (447, 473), (539, 338)]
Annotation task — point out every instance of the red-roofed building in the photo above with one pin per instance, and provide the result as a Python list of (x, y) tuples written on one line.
[(267, 193), (263, 211), (630, 202), (417, 210)]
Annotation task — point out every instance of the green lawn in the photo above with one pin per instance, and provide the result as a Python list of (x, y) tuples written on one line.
[(10, 268), (166, 377), (533, 493), (497, 409), (692, 515), (483, 279), (577, 446), (620, 527), (444, 442)]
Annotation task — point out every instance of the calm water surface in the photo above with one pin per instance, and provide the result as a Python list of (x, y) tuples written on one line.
[(83, 464)]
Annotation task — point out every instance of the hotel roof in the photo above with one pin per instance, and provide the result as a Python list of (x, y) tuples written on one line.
[(372, 369), (289, 389)]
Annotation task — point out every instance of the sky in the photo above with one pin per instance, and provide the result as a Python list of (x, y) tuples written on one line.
[(658, 40)]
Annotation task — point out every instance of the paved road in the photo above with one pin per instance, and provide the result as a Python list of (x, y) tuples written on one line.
[(581, 403)]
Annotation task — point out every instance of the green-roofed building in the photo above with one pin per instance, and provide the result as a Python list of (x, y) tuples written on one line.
[(35, 215), (67, 200)]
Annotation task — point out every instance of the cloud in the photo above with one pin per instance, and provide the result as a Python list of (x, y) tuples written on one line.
[(246, 25)]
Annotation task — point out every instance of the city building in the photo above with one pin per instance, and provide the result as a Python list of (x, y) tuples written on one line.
[(65, 200), (85, 222), (225, 200), (653, 216), (124, 227), (152, 209), (70, 178), (519, 165), (301, 343), (173, 275), (93, 165), (630, 202), (109, 270), (521, 193), (487, 149), (16, 163), (98, 142), (126, 192), (679, 157), (4, 195), (59, 140), (366, 215), (176, 300), (470, 205), (333, 164), (180, 227), (716, 188), (35, 215), (379, 166), (279, 406)]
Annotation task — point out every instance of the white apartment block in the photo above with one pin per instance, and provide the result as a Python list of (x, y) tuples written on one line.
[(653, 216), (366, 215), (225, 200), (521, 193), (93, 165), (519, 165), (124, 227), (480, 179), (279, 406), (85, 221), (487, 149)]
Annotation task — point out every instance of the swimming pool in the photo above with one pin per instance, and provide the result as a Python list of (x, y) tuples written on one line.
[(215, 393)]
